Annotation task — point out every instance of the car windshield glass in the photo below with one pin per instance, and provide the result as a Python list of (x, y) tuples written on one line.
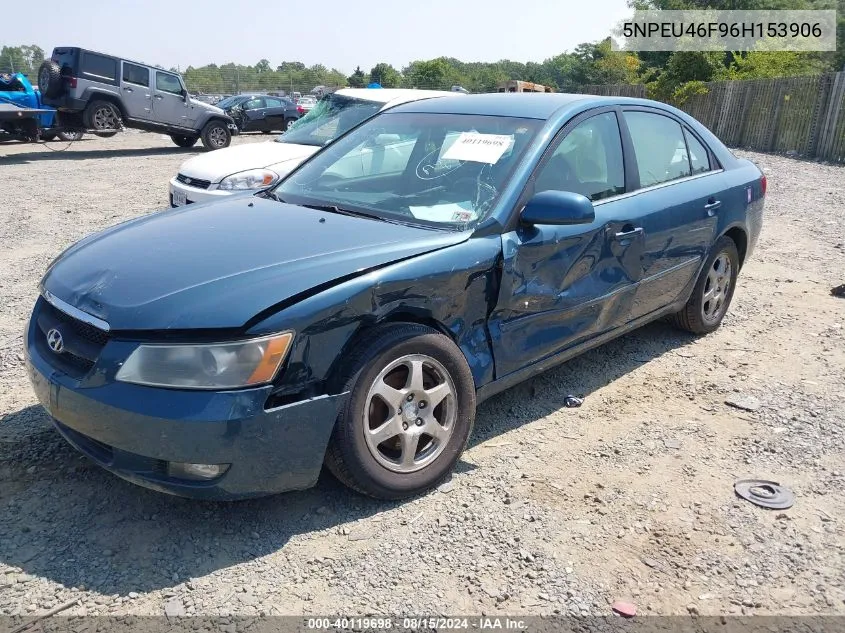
[(229, 101), (329, 118), (441, 170)]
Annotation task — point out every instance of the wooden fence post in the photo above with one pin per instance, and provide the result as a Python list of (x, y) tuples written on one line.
[(822, 98), (827, 140)]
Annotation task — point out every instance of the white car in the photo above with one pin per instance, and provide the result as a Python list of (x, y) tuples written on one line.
[(242, 168)]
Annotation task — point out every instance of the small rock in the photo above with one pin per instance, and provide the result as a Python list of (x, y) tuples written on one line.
[(446, 487), (625, 609), (672, 443), (743, 401), (174, 608), (133, 595)]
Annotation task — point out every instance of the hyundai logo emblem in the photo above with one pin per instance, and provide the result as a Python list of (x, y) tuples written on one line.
[(55, 341)]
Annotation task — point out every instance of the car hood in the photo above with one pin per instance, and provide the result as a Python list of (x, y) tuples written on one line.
[(202, 105), (215, 166), (218, 265)]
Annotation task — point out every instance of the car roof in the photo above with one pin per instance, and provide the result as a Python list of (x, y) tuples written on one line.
[(393, 95), (522, 104)]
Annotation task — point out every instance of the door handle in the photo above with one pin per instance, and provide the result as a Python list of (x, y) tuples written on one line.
[(127, 88), (159, 97), (626, 235), (712, 206)]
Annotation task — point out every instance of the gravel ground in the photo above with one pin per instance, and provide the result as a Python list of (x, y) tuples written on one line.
[(552, 510)]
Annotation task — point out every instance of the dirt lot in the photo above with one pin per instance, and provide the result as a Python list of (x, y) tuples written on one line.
[(552, 510)]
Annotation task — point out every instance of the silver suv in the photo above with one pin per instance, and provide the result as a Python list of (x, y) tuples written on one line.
[(103, 93)]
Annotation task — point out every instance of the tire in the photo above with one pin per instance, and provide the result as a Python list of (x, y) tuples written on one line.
[(50, 81), (75, 135), (184, 141), (105, 134), (215, 135), (48, 137), (101, 117), (289, 123), (701, 315), (386, 356)]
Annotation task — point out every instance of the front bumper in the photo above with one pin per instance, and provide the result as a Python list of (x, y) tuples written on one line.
[(134, 431), (195, 195)]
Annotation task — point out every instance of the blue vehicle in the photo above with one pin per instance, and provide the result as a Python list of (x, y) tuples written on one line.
[(355, 317), (16, 89)]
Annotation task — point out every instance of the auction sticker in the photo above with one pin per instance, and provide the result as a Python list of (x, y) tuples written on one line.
[(478, 148)]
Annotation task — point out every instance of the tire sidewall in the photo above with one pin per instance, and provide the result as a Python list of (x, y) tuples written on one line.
[(92, 109), (354, 445)]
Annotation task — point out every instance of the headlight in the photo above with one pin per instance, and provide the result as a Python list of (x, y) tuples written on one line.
[(211, 366), (252, 179)]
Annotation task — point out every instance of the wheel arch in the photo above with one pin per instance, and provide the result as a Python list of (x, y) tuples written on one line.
[(102, 95), (740, 237)]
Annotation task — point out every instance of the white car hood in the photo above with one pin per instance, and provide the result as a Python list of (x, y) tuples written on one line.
[(216, 165)]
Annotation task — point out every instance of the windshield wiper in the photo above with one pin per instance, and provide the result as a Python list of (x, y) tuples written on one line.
[(333, 208)]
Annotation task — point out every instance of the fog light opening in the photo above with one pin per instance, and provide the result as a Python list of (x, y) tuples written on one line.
[(196, 472)]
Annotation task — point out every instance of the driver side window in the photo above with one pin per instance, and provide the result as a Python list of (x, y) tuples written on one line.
[(587, 161)]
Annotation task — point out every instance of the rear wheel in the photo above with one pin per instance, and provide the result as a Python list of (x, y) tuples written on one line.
[(289, 124), (713, 291), (48, 137), (184, 141), (102, 117), (215, 135), (409, 413)]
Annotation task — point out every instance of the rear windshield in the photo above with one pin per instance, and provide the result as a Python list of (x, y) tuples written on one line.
[(66, 58), (334, 115)]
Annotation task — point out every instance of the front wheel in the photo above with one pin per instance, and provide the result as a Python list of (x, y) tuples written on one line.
[(184, 141), (409, 413), (713, 290), (215, 135)]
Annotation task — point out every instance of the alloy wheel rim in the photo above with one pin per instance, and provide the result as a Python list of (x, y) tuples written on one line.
[(410, 413), (217, 137), (716, 288), (104, 119)]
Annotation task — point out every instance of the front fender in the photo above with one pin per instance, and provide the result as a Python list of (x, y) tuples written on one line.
[(453, 288)]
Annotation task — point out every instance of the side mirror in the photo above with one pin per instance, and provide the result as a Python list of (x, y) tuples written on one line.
[(558, 208)]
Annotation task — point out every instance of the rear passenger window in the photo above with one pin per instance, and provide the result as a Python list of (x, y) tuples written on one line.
[(587, 161), (659, 146), (99, 66), (137, 75), (698, 157), (273, 103)]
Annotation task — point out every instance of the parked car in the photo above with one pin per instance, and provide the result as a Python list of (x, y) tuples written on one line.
[(262, 113), (307, 102), (260, 165), (358, 320), (16, 89), (103, 93)]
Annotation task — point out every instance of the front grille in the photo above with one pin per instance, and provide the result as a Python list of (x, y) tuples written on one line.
[(193, 182), (82, 342)]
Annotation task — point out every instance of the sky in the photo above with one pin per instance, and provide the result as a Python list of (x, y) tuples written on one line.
[(339, 34)]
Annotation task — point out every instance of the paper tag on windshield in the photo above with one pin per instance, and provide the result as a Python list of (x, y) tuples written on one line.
[(478, 148), (449, 212)]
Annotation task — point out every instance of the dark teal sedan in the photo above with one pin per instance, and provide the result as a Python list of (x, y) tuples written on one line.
[(356, 313)]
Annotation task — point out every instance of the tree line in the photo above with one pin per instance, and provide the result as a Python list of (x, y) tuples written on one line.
[(668, 76)]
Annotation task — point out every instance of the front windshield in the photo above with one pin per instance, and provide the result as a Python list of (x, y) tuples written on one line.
[(444, 170), (332, 116)]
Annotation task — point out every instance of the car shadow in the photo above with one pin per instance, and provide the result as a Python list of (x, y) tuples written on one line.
[(64, 519), (58, 154)]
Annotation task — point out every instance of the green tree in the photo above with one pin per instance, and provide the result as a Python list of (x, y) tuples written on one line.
[(357, 79), (21, 59), (386, 75)]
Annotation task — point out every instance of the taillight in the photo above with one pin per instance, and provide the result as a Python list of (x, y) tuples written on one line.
[(300, 109), (763, 186)]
